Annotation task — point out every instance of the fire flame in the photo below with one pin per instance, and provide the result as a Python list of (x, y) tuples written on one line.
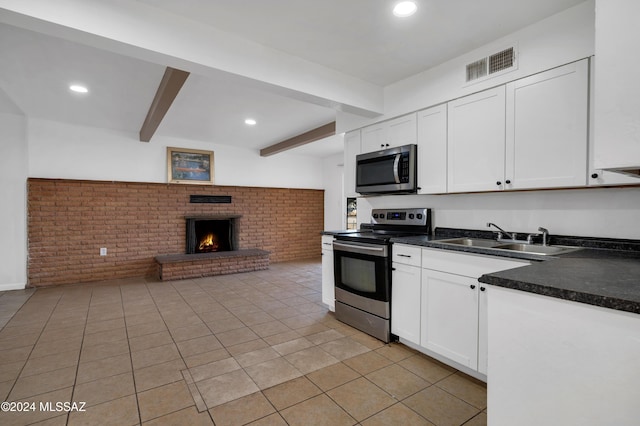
[(208, 243)]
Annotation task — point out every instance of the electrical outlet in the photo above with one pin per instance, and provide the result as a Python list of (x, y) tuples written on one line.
[(103, 251)]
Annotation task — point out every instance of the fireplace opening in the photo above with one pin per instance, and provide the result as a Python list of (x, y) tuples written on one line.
[(207, 235), (212, 235)]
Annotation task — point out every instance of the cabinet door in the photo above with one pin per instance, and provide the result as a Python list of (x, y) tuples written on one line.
[(374, 137), (405, 302), (402, 130), (617, 92), (328, 289), (547, 123), (476, 142), (351, 150), (449, 317), (388, 134), (483, 341), (595, 176), (432, 150)]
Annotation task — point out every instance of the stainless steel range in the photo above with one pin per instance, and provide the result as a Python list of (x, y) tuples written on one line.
[(362, 266)]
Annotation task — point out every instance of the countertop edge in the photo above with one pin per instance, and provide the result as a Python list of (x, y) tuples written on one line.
[(563, 294)]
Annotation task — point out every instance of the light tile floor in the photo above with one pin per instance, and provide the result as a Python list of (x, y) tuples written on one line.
[(252, 348)]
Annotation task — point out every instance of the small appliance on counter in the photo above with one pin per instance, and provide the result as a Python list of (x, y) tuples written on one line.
[(362, 268)]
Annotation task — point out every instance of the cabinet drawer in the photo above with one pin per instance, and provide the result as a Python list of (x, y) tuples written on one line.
[(327, 242), (406, 254), (469, 265)]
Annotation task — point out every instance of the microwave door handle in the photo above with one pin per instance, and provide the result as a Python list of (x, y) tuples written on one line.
[(396, 164)]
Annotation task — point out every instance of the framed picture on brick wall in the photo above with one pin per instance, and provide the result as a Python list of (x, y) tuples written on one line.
[(189, 166)]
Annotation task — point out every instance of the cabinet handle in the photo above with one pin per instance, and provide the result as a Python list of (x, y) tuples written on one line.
[(482, 289), (473, 286), (594, 176), (393, 269), (508, 181), (498, 183), (381, 145), (404, 255)]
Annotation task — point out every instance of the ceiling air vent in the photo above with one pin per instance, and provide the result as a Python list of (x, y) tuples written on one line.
[(501, 60), (477, 69)]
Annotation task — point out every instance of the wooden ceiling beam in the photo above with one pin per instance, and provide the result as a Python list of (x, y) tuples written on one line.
[(302, 139), (169, 88)]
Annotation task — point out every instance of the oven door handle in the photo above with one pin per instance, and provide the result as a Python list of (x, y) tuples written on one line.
[(396, 164), (380, 251)]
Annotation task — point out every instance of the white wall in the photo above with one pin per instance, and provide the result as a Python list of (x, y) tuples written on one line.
[(334, 202), (13, 210), (591, 212), (58, 150)]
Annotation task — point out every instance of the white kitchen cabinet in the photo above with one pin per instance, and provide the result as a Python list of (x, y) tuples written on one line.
[(454, 305), (432, 150), (328, 289), (405, 292), (351, 150), (405, 302), (476, 142), (617, 92), (546, 128), (449, 324), (596, 176), (388, 134)]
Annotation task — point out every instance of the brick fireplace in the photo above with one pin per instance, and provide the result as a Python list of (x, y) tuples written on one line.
[(70, 220)]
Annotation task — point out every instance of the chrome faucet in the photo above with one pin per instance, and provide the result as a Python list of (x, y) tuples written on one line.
[(502, 231), (545, 235)]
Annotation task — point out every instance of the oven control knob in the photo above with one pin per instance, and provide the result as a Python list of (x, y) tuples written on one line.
[(419, 215), (375, 215), (411, 215)]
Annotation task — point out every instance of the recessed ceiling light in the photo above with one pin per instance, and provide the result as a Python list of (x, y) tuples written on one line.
[(78, 88), (405, 8), (250, 122)]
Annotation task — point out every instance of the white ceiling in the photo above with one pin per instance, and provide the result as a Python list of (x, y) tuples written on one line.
[(359, 38)]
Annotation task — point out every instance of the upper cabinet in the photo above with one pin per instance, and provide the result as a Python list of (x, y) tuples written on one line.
[(432, 150), (351, 150), (531, 133), (547, 123), (617, 92), (476, 142), (388, 134)]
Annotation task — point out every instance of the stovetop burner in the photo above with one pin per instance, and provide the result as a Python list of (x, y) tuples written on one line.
[(391, 223)]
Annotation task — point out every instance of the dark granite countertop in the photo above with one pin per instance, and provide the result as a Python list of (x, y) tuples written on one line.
[(605, 272)]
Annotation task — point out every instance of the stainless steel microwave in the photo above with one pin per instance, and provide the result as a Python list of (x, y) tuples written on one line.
[(389, 171)]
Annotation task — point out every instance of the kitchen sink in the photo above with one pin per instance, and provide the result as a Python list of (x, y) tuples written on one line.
[(537, 249), (470, 242), (519, 247)]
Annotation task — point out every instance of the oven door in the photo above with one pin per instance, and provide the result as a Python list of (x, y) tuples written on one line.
[(362, 269)]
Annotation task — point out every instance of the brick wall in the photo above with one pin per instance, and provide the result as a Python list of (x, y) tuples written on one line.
[(69, 220)]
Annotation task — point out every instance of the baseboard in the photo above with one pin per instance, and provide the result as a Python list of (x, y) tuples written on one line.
[(15, 286)]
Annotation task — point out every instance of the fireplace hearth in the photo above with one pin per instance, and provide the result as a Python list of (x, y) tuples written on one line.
[(209, 234)]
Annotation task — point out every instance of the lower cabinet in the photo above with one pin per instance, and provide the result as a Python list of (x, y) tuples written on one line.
[(328, 289), (449, 319), (439, 307), (405, 302)]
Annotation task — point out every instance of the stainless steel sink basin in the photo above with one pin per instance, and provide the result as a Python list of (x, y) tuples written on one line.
[(470, 242), (537, 249), (501, 245)]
